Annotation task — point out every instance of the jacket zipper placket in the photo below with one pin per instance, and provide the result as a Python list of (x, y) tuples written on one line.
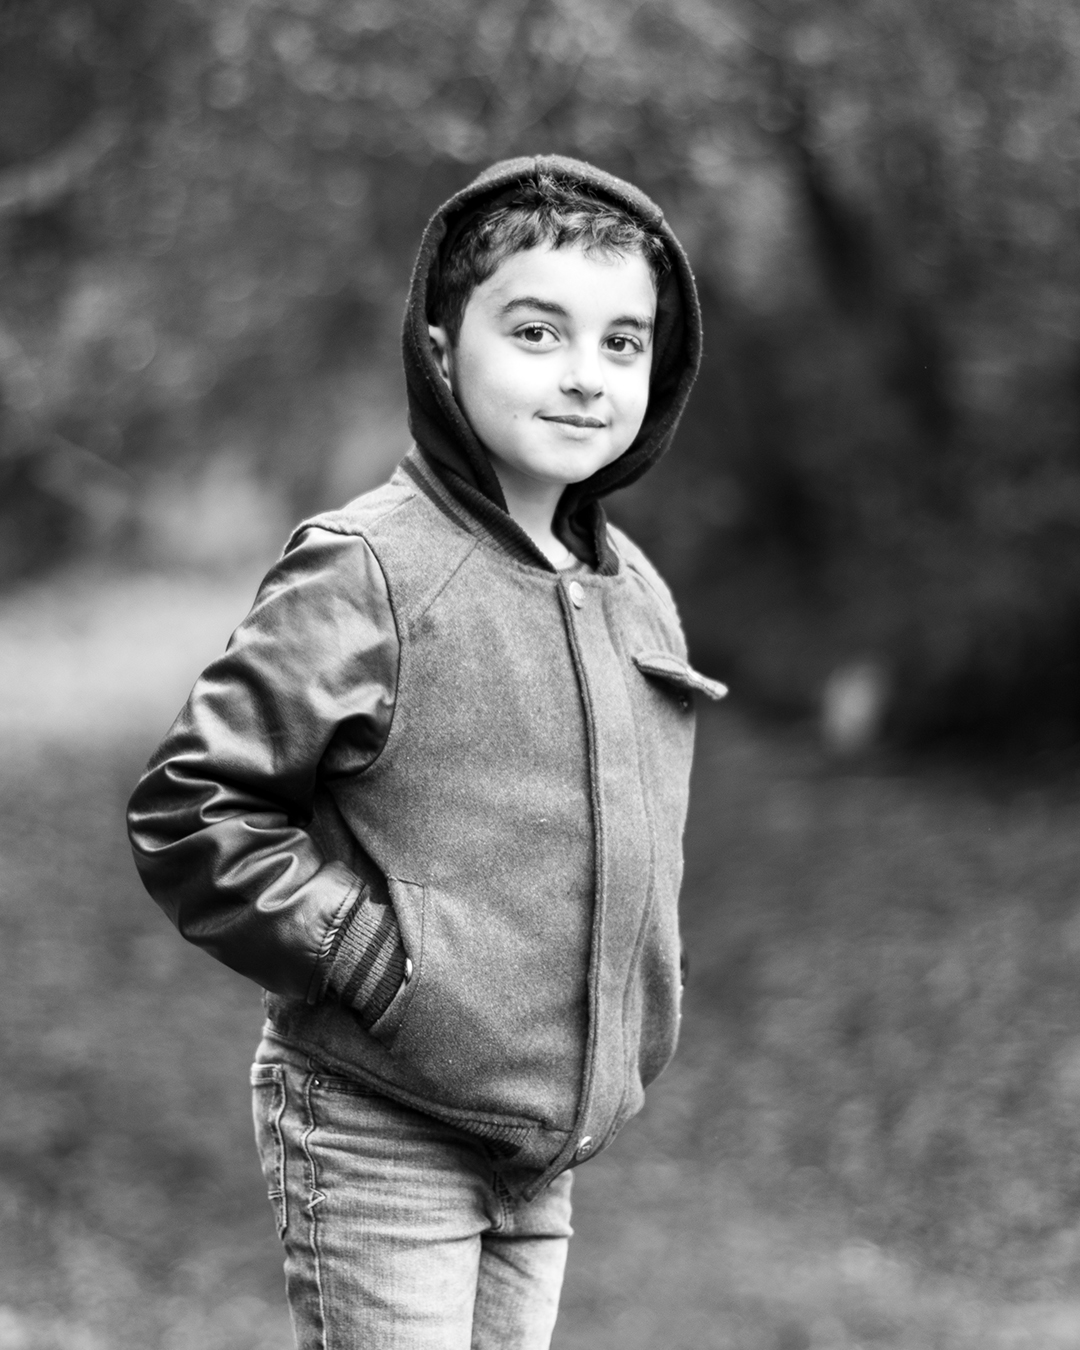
[(573, 1148)]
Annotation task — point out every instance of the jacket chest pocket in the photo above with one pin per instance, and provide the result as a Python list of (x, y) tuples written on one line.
[(680, 678)]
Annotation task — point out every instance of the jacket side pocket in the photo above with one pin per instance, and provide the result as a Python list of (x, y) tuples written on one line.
[(268, 1105), (407, 899)]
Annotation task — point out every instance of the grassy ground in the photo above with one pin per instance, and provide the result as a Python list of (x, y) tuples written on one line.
[(868, 1138)]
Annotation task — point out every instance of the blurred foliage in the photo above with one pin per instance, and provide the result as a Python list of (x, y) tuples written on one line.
[(208, 212)]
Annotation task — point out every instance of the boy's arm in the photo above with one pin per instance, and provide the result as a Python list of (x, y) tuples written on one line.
[(218, 820)]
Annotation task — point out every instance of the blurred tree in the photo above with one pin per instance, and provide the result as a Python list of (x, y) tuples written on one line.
[(208, 211)]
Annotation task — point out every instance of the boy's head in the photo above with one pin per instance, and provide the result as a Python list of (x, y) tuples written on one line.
[(543, 211), (542, 317)]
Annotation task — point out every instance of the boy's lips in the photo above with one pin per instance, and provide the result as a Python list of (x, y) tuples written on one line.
[(573, 420)]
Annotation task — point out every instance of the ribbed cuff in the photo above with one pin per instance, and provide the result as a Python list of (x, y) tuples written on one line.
[(369, 961)]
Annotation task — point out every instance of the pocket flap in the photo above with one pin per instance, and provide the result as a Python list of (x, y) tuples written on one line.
[(664, 666)]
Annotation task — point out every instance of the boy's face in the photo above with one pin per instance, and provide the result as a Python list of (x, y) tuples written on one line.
[(552, 363)]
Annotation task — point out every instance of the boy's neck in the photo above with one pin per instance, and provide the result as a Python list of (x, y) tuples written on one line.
[(531, 504)]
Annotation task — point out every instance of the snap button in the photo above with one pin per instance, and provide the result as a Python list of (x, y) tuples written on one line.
[(408, 970), (577, 594), (584, 1145)]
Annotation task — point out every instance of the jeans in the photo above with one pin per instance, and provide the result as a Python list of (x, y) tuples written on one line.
[(398, 1234)]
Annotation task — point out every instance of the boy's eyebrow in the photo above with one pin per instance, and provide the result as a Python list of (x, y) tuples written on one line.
[(637, 321), (532, 302)]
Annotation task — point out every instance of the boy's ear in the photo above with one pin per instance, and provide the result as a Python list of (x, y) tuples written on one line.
[(440, 347)]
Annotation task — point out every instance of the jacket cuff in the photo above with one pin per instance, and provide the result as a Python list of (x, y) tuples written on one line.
[(368, 965)]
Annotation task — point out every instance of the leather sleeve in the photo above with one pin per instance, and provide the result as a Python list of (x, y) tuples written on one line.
[(217, 822)]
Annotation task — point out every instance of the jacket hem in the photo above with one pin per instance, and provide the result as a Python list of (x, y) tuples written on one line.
[(506, 1137)]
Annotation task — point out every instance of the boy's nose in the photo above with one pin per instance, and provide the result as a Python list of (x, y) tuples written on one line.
[(583, 376)]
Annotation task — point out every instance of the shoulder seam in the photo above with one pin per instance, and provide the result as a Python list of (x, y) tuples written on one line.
[(333, 522), (627, 555), (367, 532), (426, 604)]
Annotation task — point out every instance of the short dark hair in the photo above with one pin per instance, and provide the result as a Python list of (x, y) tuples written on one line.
[(543, 210)]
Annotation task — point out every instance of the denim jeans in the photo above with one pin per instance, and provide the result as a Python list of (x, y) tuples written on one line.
[(398, 1234)]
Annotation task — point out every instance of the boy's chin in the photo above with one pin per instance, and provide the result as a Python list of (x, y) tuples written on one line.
[(552, 470), (553, 480)]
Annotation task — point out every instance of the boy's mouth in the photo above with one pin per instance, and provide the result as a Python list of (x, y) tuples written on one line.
[(574, 420)]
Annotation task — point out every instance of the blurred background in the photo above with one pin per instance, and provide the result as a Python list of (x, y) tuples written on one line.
[(208, 210)]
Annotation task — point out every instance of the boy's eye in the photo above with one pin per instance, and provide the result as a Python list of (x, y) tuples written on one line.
[(623, 345), (536, 334)]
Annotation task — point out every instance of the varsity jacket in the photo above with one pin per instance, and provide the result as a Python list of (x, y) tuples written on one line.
[(432, 796)]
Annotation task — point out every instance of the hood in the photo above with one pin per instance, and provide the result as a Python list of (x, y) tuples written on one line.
[(436, 422)]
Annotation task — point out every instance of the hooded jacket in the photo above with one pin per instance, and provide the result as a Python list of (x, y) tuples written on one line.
[(432, 796)]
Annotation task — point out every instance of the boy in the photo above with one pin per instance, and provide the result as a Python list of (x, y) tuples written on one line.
[(432, 796)]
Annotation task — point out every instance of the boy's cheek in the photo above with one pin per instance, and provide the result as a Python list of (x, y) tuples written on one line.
[(637, 406)]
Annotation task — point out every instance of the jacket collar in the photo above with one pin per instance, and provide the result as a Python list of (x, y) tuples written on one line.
[(471, 510)]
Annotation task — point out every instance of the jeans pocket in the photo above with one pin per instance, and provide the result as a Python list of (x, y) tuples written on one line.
[(268, 1104)]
